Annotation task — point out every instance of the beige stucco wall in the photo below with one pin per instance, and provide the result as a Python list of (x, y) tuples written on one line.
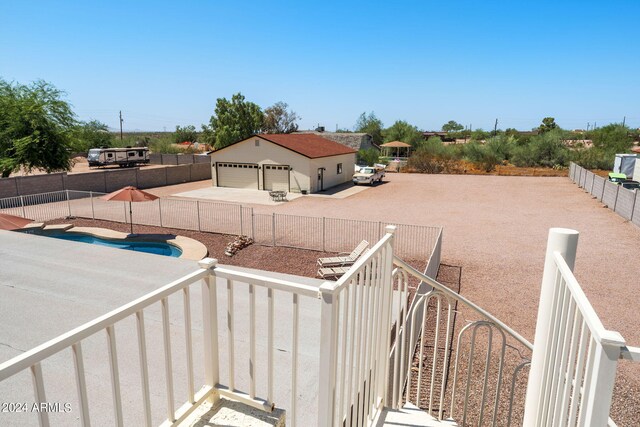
[(331, 177), (303, 173)]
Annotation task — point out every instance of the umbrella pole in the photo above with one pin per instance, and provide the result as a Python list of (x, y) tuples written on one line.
[(131, 217)]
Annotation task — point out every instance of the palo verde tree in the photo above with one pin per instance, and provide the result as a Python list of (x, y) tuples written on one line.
[(369, 123), (36, 127), (277, 119), (233, 121)]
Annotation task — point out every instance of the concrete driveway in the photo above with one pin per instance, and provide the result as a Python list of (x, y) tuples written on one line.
[(261, 197), (235, 195)]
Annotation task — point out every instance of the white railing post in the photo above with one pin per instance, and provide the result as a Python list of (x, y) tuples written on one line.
[(565, 241), (385, 341), (68, 202), (598, 400), (328, 349), (210, 326)]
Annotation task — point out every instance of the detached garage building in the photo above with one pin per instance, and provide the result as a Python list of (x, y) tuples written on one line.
[(293, 162)]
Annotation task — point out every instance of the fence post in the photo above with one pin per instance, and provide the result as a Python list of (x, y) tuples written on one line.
[(241, 221), (565, 241), (210, 326), (273, 227), (160, 209), (323, 233), (68, 202), (616, 199), (604, 185), (93, 212), (328, 349), (198, 210), (253, 226), (633, 205), (24, 212)]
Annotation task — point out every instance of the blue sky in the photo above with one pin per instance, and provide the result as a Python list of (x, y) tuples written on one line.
[(165, 63)]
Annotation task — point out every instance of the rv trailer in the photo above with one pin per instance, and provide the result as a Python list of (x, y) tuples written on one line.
[(123, 157)]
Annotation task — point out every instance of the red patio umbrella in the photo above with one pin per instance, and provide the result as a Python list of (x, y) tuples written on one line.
[(130, 194), (12, 222)]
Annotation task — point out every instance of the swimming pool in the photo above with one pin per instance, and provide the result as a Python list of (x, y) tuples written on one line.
[(156, 248)]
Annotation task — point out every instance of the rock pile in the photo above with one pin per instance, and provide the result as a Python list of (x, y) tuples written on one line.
[(238, 243)]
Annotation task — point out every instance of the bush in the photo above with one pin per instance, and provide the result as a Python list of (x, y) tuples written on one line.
[(481, 156), (432, 156), (546, 149)]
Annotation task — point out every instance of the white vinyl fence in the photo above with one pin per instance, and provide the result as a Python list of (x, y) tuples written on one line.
[(625, 203), (414, 242)]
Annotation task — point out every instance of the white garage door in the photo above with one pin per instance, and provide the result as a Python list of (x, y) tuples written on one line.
[(237, 175), (276, 177)]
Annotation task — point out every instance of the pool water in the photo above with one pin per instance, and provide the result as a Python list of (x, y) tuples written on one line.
[(156, 248)]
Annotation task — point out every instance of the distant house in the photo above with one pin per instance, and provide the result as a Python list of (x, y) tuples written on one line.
[(294, 162), (353, 140)]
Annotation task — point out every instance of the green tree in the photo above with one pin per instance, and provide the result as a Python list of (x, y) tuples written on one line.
[(185, 134), (277, 119), (404, 132), (369, 123), (36, 127), (368, 156), (91, 134), (613, 138), (548, 123), (234, 120), (452, 126)]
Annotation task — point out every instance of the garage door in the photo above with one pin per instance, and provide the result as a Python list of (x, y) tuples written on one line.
[(276, 177), (237, 175)]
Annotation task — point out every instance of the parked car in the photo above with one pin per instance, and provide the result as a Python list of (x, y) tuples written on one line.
[(369, 175), (630, 185)]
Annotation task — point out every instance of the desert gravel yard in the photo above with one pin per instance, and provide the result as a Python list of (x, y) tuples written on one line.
[(496, 229)]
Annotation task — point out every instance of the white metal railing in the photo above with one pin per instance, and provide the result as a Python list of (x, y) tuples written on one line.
[(367, 344), (574, 362), (355, 336), (72, 341), (460, 383)]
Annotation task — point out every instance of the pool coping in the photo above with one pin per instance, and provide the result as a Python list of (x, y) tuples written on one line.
[(191, 249)]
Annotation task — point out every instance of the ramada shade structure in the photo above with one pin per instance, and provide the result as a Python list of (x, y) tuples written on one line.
[(12, 222), (130, 194), (396, 146)]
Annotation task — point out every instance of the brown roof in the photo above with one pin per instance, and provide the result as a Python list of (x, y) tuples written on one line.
[(309, 145), (396, 144)]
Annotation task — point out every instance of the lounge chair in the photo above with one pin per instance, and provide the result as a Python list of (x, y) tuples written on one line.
[(332, 272), (344, 259)]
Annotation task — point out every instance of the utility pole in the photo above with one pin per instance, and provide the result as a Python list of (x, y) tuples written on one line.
[(495, 128), (624, 120), (121, 125)]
